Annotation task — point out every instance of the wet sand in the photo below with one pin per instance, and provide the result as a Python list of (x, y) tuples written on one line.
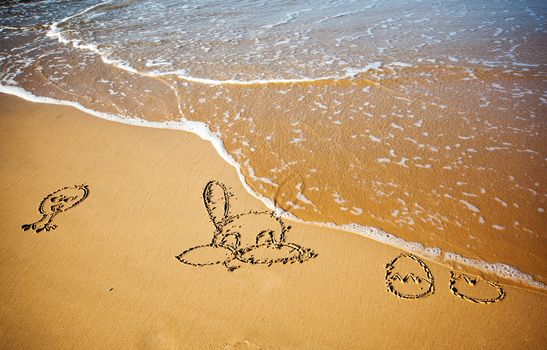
[(107, 276)]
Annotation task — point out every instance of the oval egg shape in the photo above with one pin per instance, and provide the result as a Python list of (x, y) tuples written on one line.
[(408, 277), (475, 289)]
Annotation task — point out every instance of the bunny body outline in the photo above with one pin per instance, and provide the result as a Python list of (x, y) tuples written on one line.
[(231, 247)]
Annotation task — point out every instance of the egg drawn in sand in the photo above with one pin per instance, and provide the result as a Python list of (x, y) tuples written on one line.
[(475, 290), (408, 277)]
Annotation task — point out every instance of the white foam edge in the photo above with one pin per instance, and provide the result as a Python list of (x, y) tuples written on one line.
[(55, 33), (54, 27), (199, 128), (433, 253), (77, 44), (499, 269), (350, 73), (202, 130)]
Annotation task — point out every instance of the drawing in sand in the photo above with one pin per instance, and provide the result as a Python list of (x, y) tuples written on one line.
[(255, 237), (408, 277), (56, 203), (475, 290)]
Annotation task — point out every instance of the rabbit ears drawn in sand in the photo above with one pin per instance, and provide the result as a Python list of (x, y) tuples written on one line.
[(249, 238), (238, 229)]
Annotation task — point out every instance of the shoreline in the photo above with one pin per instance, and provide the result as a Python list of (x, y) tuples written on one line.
[(463, 231), (500, 270)]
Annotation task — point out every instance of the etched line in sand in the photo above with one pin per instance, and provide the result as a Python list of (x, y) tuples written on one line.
[(408, 277), (238, 241), (56, 203), (461, 285)]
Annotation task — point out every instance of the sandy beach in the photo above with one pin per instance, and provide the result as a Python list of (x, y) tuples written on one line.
[(107, 276)]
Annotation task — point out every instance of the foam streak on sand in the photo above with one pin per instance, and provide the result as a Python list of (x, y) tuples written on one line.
[(203, 131)]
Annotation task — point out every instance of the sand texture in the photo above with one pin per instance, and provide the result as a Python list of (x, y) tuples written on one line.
[(106, 260)]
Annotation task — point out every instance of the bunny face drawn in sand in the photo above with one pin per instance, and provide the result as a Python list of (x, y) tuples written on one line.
[(475, 290), (56, 203), (408, 277), (249, 238)]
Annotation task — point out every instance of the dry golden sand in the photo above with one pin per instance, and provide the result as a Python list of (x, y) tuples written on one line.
[(107, 277)]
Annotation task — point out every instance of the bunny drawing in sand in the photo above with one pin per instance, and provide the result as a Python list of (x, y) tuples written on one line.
[(238, 240)]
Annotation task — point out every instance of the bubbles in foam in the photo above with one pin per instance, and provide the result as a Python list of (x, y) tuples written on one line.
[(499, 269)]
